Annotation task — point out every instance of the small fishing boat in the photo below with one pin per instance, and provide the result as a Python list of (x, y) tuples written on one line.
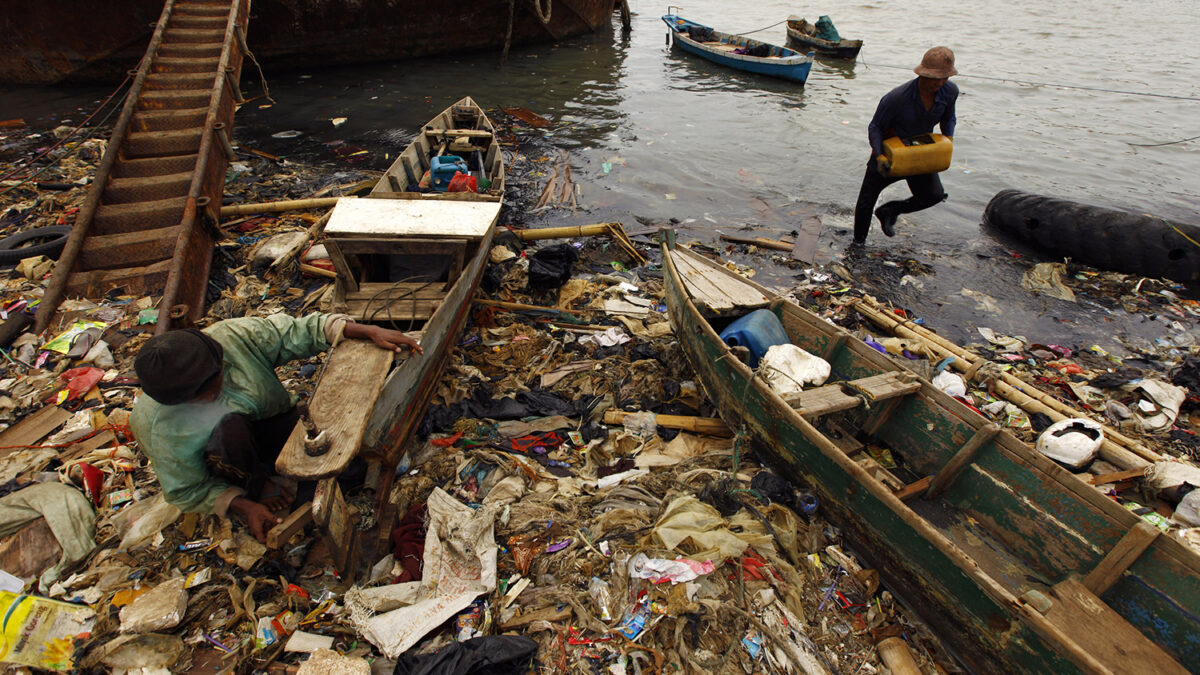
[(1016, 563), (802, 35), (408, 256), (738, 52)]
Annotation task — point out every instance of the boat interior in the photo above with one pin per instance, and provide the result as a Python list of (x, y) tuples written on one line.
[(398, 252), (1047, 538), (714, 40)]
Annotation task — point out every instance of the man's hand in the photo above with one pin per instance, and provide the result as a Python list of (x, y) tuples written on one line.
[(258, 517), (882, 165), (391, 340)]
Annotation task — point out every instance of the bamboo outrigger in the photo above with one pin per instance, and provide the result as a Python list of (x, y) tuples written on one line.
[(1015, 562)]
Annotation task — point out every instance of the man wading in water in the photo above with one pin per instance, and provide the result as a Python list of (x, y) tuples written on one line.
[(908, 110)]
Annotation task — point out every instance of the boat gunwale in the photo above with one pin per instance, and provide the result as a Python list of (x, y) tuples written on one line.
[(1054, 637)]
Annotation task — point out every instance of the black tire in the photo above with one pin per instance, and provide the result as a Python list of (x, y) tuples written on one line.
[(1105, 238), (47, 241)]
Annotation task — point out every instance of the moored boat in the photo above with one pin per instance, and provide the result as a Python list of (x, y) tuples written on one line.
[(803, 35), (409, 257), (1016, 563), (736, 51)]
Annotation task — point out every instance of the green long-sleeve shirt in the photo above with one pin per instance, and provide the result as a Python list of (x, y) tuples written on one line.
[(174, 436)]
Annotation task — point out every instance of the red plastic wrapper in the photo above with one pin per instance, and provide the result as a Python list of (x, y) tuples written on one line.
[(80, 380), (463, 183)]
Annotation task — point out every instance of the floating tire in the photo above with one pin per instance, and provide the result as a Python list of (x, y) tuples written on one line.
[(47, 241), (1100, 237)]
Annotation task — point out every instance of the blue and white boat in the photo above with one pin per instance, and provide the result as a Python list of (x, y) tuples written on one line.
[(739, 52)]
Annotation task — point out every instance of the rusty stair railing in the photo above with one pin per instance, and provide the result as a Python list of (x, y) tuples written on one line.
[(148, 223)]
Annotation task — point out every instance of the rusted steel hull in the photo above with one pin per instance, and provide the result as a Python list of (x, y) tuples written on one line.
[(73, 41), (1006, 528), (145, 227)]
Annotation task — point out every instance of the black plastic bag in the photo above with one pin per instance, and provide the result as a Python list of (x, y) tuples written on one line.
[(493, 655), (550, 267)]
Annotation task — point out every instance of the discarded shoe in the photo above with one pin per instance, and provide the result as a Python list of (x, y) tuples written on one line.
[(887, 220)]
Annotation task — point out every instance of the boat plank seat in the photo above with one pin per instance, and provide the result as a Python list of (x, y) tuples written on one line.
[(392, 302), (831, 398), (716, 290), (1104, 634), (468, 133), (345, 396)]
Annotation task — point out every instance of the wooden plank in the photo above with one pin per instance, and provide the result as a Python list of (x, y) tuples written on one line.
[(913, 489), (405, 246), (469, 133), (822, 401), (718, 292), (806, 243), (30, 550), (1117, 477), (341, 404), (32, 428), (332, 516), (84, 447), (1119, 559), (943, 478), (1104, 634), (412, 217), (284, 531), (345, 274), (375, 301), (886, 385)]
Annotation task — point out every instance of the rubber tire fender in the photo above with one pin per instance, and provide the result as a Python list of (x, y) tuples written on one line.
[(1101, 237), (49, 242)]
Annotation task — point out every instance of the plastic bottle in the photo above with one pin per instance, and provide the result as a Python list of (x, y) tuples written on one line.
[(602, 596)]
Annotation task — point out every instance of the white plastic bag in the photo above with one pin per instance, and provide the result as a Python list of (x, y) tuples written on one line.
[(1074, 442), (1168, 475), (950, 383), (151, 519), (787, 368)]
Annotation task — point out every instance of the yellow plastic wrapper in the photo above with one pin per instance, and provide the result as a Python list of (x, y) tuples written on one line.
[(40, 632)]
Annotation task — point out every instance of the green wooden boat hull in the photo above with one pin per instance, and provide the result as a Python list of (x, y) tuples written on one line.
[(1012, 522)]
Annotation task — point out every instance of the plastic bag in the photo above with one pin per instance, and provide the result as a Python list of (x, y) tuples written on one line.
[(950, 383), (601, 595), (787, 368), (160, 608), (463, 182), (80, 380), (151, 519), (1073, 442)]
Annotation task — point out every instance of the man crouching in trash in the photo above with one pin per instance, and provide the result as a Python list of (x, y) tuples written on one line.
[(214, 416)]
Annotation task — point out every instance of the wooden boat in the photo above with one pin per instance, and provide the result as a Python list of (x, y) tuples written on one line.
[(732, 50), (1016, 563), (78, 40), (801, 35), (406, 259)]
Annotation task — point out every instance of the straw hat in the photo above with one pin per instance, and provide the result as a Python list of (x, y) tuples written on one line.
[(937, 63)]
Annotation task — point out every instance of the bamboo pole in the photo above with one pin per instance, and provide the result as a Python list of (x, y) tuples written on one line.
[(761, 242), (1117, 448), (280, 206), (713, 426), (614, 230), (563, 232), (500, 304)]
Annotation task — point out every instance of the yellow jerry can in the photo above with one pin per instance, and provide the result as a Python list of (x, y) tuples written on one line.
[(925, 153)]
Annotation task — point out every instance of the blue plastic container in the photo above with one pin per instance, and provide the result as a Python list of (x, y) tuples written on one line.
[(758, 331), (443, 168)]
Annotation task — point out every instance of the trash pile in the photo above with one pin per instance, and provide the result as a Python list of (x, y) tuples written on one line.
[(1146, 402), (572, 500)]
